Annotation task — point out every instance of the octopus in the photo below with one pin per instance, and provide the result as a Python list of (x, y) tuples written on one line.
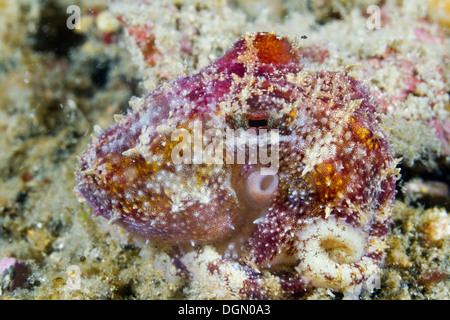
[(270, 178)]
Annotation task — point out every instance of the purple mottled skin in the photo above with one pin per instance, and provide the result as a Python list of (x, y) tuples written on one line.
[(335, 176)]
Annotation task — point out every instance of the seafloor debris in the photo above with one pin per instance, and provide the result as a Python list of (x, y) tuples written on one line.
[(439, 11), (418, 189), (13, 274)]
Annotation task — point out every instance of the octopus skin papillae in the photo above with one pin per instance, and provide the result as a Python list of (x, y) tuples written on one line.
[(319, 218)]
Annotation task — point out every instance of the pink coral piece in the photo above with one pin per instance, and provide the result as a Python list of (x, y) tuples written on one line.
[(20, 273)]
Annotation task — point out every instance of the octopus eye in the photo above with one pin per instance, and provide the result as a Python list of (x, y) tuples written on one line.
[(260, 188), (258, 120), (257, 123)]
